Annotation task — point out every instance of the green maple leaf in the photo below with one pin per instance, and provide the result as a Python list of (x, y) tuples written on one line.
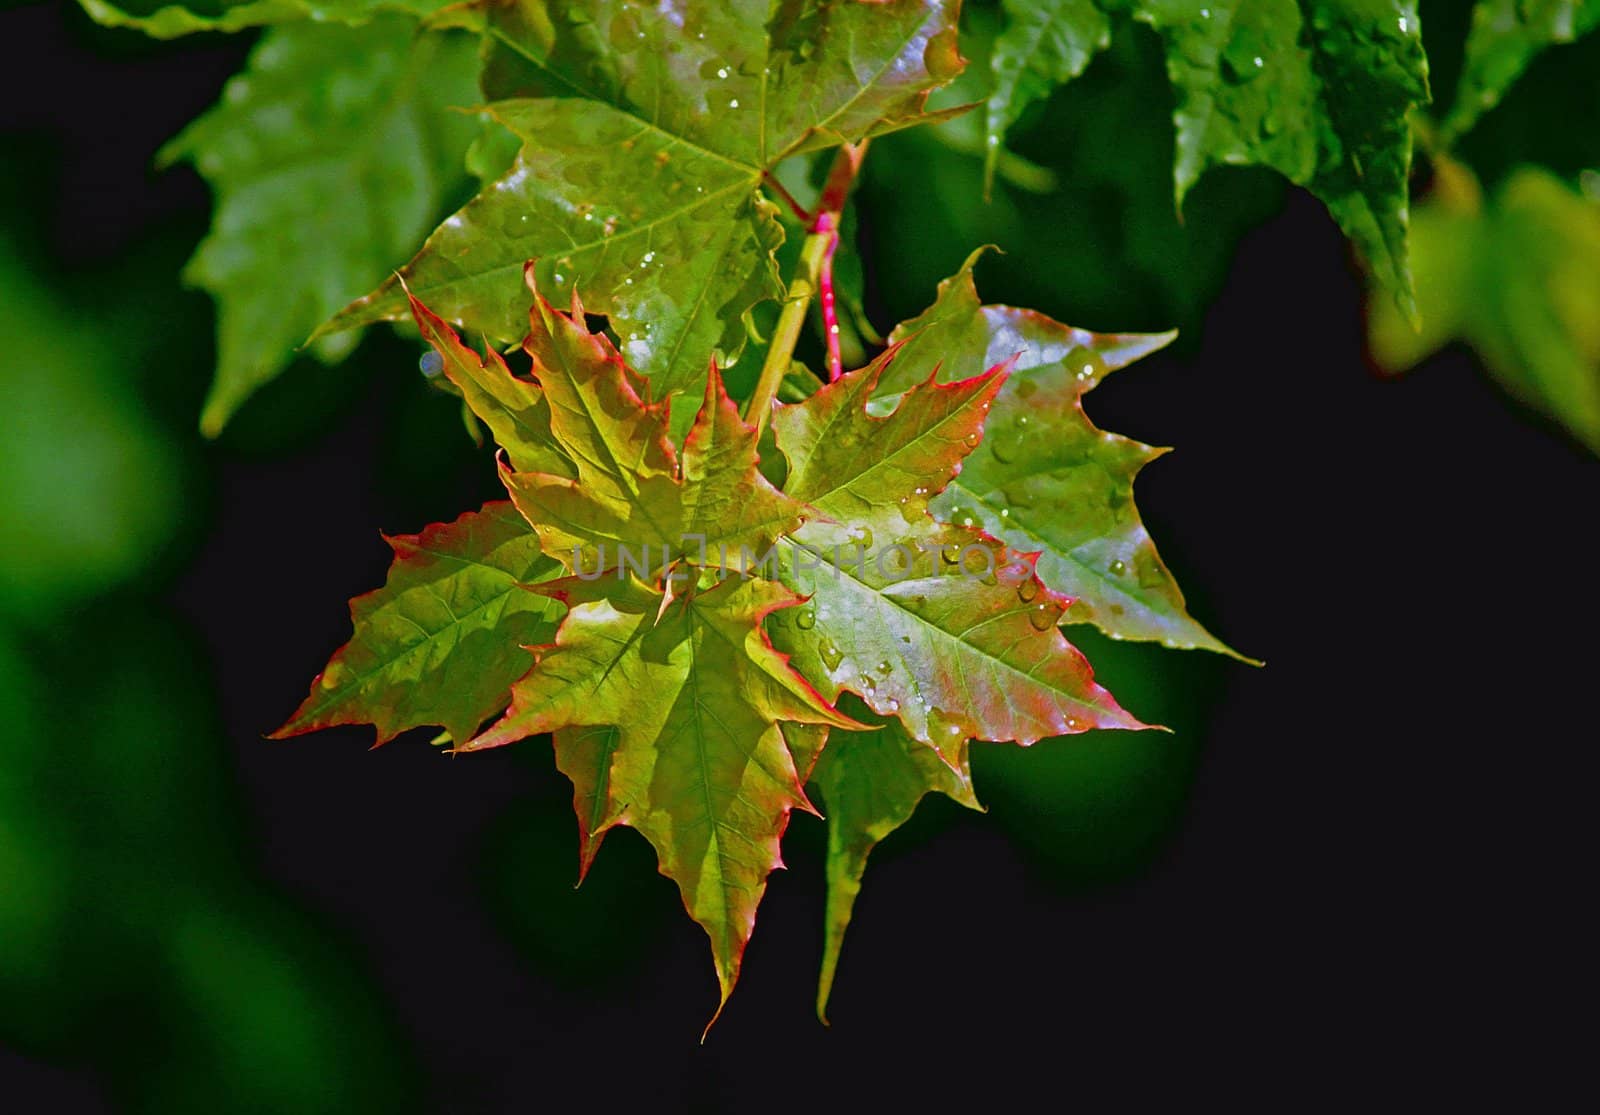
[(648, 132), (439, 642), (167, 21), (935, 623), (1316, 89), (871, 783), (627, 492), (1045, 479), (1505, 36), (331, 155), (1517, 277), (669, 714)]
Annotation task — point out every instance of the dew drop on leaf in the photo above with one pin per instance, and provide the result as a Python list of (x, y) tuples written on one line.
[(1027, 590), (946, 727), (431, 365), (1148, 568), (831, 655), (807, 619), (1044, 615), (1085, 365), (1117, 568)]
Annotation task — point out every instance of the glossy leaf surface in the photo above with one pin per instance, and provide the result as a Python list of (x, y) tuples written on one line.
[(1045, 479), (647, 133), (934, 623)]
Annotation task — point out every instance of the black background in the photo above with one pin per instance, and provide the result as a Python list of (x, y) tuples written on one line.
[(1376, 869)]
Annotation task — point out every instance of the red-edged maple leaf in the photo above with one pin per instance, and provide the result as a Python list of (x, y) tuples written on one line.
[(440, 642), (667, 717)]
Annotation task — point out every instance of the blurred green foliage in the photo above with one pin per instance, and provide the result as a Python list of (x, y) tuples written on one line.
[(137, 939)]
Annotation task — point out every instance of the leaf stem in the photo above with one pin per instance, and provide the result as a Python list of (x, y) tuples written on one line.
[(816, 255)]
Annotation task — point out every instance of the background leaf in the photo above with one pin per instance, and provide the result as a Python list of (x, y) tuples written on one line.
[(330, 156), (1518, 279), (1315, 89), (167, 21), (1505, 36)]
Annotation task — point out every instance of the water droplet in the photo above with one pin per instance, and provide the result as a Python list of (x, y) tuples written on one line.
[(1074, 724), (946, 728), (1149, 569), (971, 440), (807, 619), (722, 71), (892, 705), (610, 226), (1006, 444), (1085, 365), (1241, 58), (961, 517), (734, 103), (912, 509), (1027, 590), (431, 365), (884, 667), (1018, 495), (1117, 568), (861, 536), (831, 655), (869, 685), (1044, 615)]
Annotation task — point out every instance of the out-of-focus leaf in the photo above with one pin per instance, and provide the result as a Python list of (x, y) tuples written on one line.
[(871, 783), (89, 486), (168, 21), (442, 640), (1045, 480), (1505, 36), (1316, 89), (697, 763), (1518, 279), (647, 133), (331, 155)]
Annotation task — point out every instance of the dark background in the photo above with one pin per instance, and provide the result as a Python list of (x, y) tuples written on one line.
[(1354, 866)]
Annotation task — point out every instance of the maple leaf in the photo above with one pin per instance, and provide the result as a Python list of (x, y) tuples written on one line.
[(647, 134), (438, 643), (629, 492), (700, 768), (341, 135), (871, 783), (932, 622), (1045, 479), (1316, 89), (162, 20), (1505, 37)]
